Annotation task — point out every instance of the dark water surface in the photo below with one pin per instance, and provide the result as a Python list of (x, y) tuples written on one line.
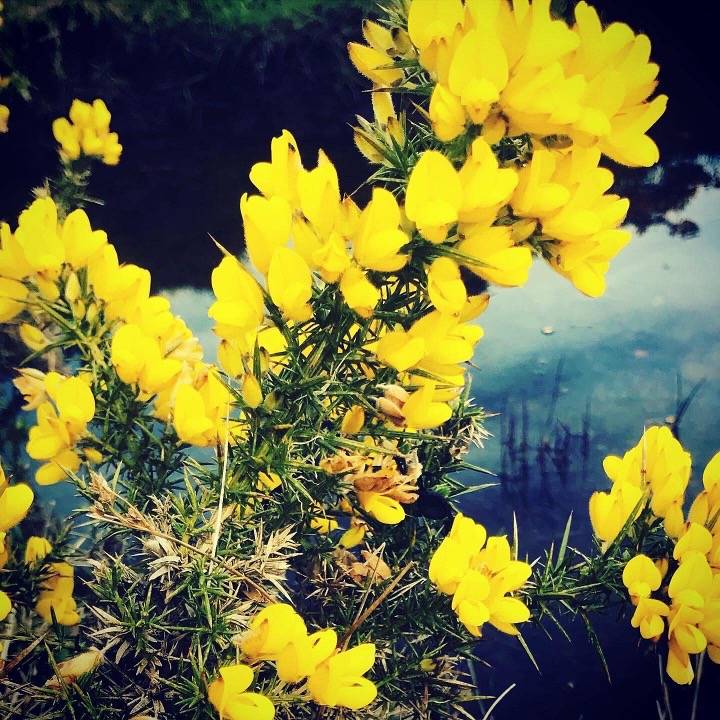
[(573, 379)]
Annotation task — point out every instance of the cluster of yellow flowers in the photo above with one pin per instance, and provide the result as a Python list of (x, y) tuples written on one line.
[(15, 501), (47, 258), (57, 589), (480, 573), (300, 235), (655, 471), (654, 475), (501, 72), (55, 602), (278, 634), (514, 69), (65, 406), (87, 133)]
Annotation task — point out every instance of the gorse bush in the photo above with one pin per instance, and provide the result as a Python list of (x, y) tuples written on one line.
[(277, 535)]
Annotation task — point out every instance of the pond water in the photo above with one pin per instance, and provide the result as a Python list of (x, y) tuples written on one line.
[(572, 379)]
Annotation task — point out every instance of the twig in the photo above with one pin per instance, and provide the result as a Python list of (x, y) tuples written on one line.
[(375, 605)]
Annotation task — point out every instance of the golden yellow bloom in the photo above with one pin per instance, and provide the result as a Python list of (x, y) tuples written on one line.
[(39, 240), (485, 185), (15, 501), (648, 617), (491, 253), (451, 560), (338, 681), (378, 238), (138, 360), (4, 117), (251, 391), (659, 463), (320, 196), (431, 22), (353, 536), (37, 548), (641, 577), (61, 421), (87, 133), (619, 79), (423, 412), (228, 695), (707, 503), (12, 299), (124, 289), (359, 293), (445, 286), (383, 508), (271, 630), (479, 572), (267, 227), (201, 409), (56, 596), (80, 240), (290, 284), (610, 511), (279, 176), (434, 196), (353, 420), (239, 307), (5, 605), (696, 538), (304, 653), (447, 114), (372, 63)]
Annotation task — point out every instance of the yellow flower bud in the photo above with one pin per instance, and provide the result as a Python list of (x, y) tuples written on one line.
[(48, 289), (33, 337), (251, 391), (353, 420), (72, 288)]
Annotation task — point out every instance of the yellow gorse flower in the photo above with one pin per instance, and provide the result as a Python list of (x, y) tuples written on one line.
[(56, 596), (278, 634), (36, 549), (686, 601), (510, 70), (338, 681), (657, 467), (87, 133), (480, 573), (228, 695), (62, 421), (515, 69), (15, 502)]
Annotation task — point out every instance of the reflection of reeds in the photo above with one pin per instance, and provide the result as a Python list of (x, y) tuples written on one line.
[(682, 403), (555, 451)]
